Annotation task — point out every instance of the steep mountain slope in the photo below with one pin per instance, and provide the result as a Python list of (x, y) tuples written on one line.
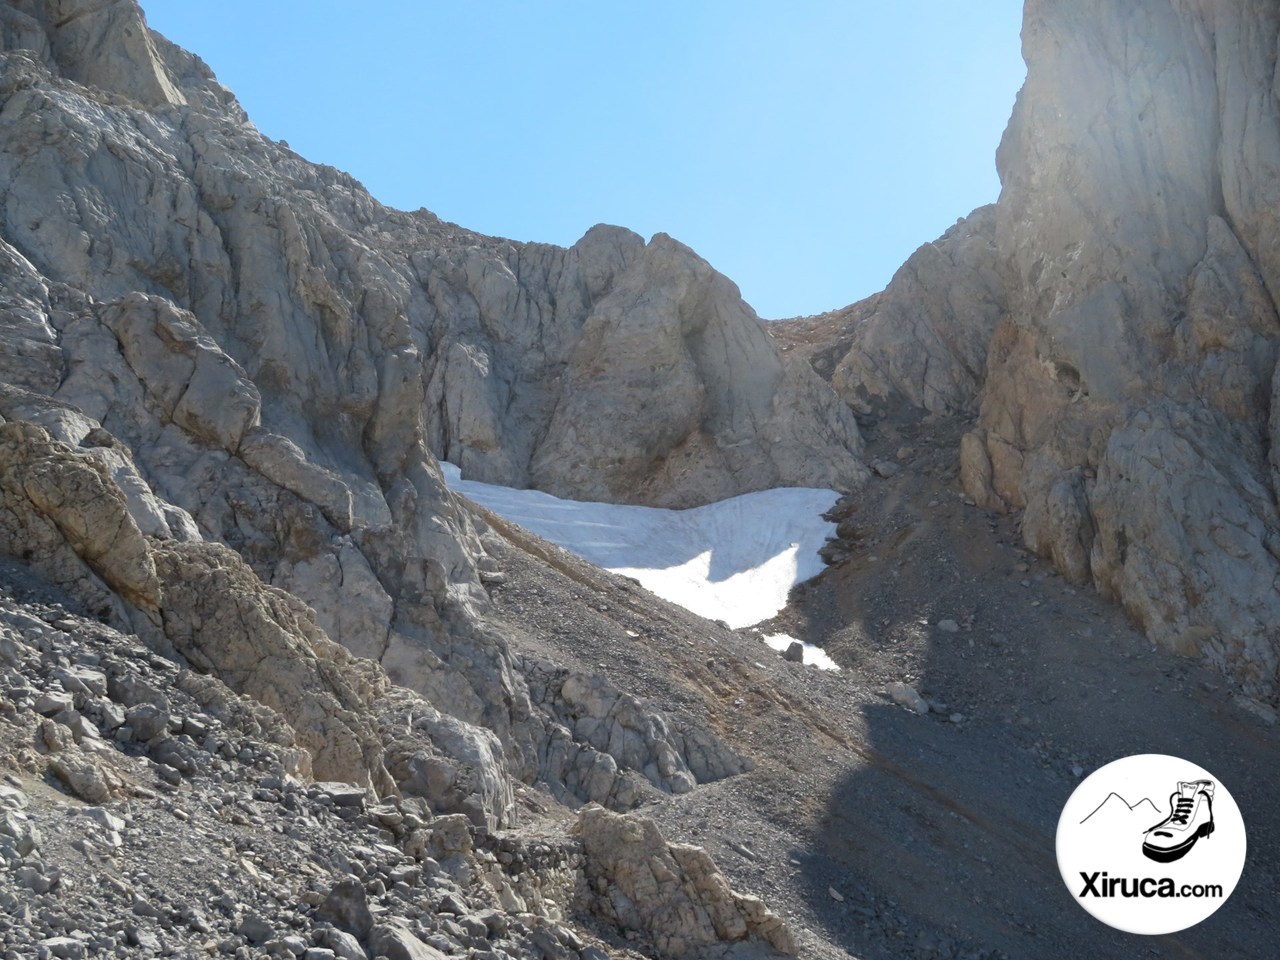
[(263, 356), (225, 376), (1114, 320)]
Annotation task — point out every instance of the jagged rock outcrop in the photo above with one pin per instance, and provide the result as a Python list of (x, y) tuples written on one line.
[(1128, 400), (671, 892), (1123, 294), (231, 346), (263, 356), (225, 377), (604, 744), (61, 512), (724, 403), (924, 339)]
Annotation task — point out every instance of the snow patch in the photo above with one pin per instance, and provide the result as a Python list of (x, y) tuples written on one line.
[(813, 656), (735, 560)]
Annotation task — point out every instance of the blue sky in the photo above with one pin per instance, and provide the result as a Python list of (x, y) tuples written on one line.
[(804, 149)]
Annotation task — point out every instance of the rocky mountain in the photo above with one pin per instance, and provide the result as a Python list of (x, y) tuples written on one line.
[(260, 355), (267, 688), (226, 375), (1112, 320)]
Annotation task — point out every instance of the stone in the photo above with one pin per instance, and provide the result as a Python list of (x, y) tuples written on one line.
[(256, 929), (131, 690), (346, 907), (396, 943), (908, 696), (342, 794), (147, 721), (735, 416), (50, 703), (1142, 331), (924, 340), (670, 892), (18, 835), (104, 819), (794, 652), (81, 775), (343, 945), (948, 626), (82, 680), (64, 948)]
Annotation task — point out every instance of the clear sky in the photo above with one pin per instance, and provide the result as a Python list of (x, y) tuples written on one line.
[(803, 148)]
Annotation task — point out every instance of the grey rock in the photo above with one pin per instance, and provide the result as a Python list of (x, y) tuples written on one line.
[(256, 929), (18, 835), (346, 907), (130, 689), (147, 721), (908, 696), (81, 775), (396, 943), (64, 948), (52, 702), (344, 945), (1141, 329), (924, 340), (104, 819), (111, 715), (670, 892), (81, 680), (342, 794)]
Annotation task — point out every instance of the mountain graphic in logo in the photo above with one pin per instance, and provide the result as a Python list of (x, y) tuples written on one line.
[(1117, 810), (1150, 844)]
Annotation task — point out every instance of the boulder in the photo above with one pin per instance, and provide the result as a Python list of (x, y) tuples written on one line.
[(672, 893)]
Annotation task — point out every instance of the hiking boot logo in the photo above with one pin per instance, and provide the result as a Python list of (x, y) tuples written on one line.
[(1190, 818), (1126, 856)]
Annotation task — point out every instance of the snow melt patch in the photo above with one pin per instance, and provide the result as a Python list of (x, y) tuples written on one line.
[(735, 560), (813, 656)]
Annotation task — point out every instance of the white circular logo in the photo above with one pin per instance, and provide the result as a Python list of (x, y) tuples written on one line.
[(1151, 844)]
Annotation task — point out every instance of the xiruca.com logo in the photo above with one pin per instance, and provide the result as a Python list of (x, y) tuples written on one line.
[(1151, 844)]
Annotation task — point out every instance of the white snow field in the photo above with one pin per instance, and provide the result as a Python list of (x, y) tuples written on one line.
[(734, 560), (813, 656)]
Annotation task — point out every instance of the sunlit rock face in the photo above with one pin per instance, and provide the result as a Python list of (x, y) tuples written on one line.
[(1113, 318), (259, 355), (1128, 401)]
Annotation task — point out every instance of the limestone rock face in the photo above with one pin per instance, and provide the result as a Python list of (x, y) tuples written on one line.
[(671, 892), (281, 356), (1113, 318), (727, 407), (61, 511), (1127, 404), (228, 374), (925, 338), (604, 743), (103, 44)]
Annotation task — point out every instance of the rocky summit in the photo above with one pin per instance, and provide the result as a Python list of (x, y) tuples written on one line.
[(269, 689)]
